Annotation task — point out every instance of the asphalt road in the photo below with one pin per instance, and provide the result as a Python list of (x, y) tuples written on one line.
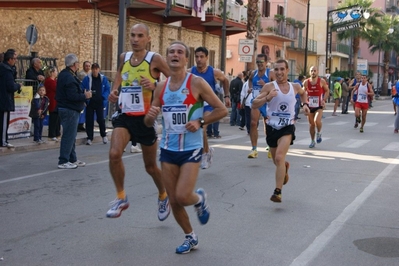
[(340, 206)]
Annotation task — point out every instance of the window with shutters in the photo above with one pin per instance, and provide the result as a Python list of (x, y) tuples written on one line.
[(106, 52), (191, 59), (266, 8), (211, 57)]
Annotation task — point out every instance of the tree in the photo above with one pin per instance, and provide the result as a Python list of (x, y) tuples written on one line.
[(383, 37), (360, 32), (252, 25)]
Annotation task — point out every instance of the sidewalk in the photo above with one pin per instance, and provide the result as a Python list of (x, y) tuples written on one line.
[(27, 144)]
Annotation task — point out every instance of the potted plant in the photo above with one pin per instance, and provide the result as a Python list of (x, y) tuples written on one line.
[(300, 25), (279, 17), (290, 21)]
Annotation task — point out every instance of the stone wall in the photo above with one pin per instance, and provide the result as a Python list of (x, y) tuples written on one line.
[(79, 31)]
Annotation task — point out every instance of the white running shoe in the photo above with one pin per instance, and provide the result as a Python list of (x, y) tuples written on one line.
[(135, 149), (210, 156), (105, 140), (79, 163), (205, 161), (67, 165)]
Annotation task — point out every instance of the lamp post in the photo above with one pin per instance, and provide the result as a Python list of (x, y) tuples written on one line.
[(307, 39), (223, 52), (378, 65)]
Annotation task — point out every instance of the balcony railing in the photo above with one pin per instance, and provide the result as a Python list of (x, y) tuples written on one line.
[(281, 28), (184, 3), (233, 11), (300, 43), (340, 48)]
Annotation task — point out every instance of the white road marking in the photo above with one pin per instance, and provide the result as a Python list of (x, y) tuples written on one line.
[(322, 240), (393, 146), (354, 143)]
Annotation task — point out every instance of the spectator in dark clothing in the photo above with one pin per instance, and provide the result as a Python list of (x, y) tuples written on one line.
[(70, 102), (300, 80), (38, 110), (99, 86), (35, 72), (7, 89), (235, 91)]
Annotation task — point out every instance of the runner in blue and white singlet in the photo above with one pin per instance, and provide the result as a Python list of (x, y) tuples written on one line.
[(179, 107)]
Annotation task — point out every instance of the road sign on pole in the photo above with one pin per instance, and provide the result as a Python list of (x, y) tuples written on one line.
[(246, 47), (31, 36), (246, 58)]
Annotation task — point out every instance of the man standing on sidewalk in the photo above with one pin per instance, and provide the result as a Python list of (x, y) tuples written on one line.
[(7, 89), (70, 102), (99, 86), (235, 91)]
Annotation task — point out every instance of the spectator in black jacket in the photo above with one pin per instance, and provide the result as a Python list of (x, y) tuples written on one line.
[(235, 91), (35, 72), (70, 102), (7, 89)]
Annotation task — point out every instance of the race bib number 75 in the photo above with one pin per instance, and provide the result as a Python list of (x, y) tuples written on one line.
[(131, 99)]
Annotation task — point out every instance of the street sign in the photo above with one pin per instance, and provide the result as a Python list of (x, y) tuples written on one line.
[(246, 58), (347, 27), (246, 47), (31, 34)]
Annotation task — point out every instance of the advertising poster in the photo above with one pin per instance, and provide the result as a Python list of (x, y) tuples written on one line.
[(20, 122)]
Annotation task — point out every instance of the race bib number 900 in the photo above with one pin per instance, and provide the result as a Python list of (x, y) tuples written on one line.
[(131, 99), (175, 118)]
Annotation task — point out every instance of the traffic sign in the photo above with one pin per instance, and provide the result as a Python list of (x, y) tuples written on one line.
[(246, 58), (246, 47), (31, 34)]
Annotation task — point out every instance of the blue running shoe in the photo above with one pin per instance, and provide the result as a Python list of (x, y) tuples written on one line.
[(117, 206), (163, 209), (318, 138), (202, 208), (312, 144), (188, 244)]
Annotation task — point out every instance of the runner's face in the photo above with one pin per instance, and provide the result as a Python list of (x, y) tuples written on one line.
[(364, 80), (313, 72), (261, 63), (201, 59), (139, 38), (176, 57), (281, 72)]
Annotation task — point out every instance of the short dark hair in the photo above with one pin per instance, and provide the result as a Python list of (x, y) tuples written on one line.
[(9, 54), (201, 49), (301, 77), (262, 55), (84, 63), (283, 61)]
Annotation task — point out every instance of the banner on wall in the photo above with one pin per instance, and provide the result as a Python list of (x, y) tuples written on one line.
[(20, 122)]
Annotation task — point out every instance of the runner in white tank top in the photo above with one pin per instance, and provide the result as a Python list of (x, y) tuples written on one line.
[(280, 130), (363, 91)]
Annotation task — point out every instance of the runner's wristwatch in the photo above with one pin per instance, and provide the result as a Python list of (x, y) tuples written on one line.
[(202, 122)]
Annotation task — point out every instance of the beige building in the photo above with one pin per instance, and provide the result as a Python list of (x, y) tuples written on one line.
[(282, 34), (90, 30)]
